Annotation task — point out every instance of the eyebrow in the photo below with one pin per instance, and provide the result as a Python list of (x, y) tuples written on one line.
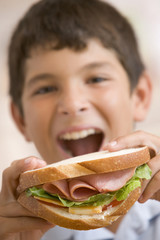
[(96, 65), (39, 77)]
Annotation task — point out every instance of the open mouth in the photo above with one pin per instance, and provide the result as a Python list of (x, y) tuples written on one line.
[(81, 142)]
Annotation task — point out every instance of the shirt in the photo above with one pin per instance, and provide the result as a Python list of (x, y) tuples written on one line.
[(142, 222)]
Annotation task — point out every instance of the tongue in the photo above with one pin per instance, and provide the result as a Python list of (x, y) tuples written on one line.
[(85, 145)]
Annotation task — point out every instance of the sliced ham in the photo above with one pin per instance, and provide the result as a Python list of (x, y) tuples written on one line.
[(58, 187), (109, 182), (72, 190), (81, 188)]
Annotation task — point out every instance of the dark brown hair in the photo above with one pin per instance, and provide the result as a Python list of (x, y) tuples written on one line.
[(71, 23)]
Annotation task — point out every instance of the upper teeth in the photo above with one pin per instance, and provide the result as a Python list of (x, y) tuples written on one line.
[(78, 134)]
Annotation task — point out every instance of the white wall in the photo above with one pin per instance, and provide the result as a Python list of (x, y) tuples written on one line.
[(145, 17), (12, 144)]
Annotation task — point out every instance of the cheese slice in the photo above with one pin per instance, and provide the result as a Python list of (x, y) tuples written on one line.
[(56, 202), (88, 210)]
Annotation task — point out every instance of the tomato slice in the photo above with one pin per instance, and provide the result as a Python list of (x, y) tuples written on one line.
[(114, 203)]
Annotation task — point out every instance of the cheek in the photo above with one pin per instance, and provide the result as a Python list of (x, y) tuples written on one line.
[(37, 119), (114, 100), (117, 109)]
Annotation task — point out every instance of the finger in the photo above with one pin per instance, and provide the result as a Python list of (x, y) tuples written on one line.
[(11, 175), (19, 166), (151, 189), (13, 225), (156, 196), (136, 139), (14, 209)]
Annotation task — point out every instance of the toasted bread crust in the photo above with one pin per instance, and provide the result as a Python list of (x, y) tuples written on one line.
[(60, 217), (102, 164)]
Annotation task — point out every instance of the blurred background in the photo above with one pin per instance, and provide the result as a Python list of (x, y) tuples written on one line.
[(145, 18)]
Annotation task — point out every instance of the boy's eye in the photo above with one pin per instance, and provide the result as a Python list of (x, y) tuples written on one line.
[(96, 80), (47, 89)]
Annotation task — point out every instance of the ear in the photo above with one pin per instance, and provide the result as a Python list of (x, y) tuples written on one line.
[(141, 97), (19, 119)]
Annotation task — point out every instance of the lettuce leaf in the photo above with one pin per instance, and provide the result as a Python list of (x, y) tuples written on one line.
[(39, 192), (96, 200), (123, 193), (142, 172)]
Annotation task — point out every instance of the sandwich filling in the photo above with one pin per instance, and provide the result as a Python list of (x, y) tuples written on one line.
[(92, 193)]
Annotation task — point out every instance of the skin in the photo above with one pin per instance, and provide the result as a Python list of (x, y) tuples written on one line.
[(87, 89)]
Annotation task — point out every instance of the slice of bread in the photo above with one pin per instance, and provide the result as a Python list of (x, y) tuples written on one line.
[(93, 163)]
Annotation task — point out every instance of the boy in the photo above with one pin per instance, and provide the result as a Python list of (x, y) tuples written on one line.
[(76, 83)]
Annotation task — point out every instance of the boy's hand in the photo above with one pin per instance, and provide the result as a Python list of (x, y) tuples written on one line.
[(17, 223), (150, 188)]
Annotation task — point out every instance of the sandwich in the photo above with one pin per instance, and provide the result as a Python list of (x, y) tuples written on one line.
[(88, 191)]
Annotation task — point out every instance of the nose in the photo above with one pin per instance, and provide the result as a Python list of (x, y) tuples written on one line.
[(73, 102)]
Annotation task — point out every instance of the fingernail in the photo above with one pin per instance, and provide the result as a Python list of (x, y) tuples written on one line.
[(40, 161), (28, 161), (113, 144)]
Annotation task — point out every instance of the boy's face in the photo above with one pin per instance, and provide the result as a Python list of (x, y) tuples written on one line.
[(74, 102)]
